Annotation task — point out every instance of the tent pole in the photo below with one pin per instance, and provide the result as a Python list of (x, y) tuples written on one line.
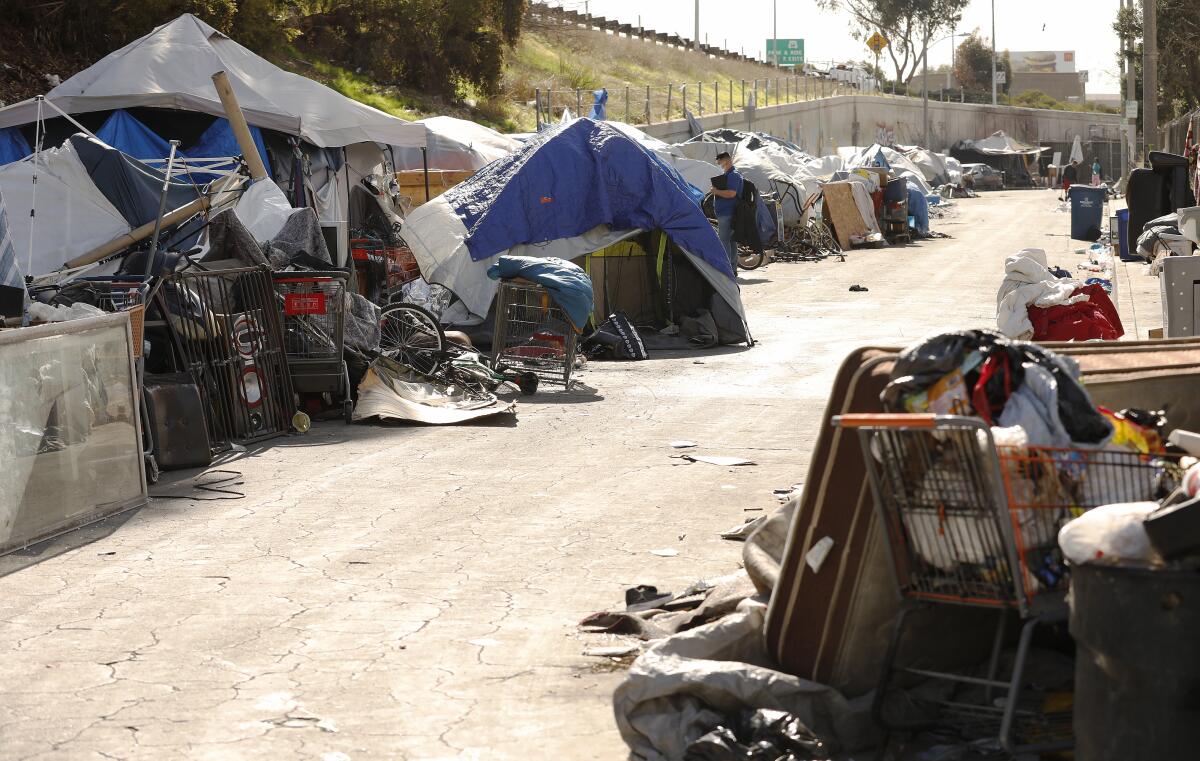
[(241, 130), (162, 208), (425, 169), (69, 118), (37, 155)]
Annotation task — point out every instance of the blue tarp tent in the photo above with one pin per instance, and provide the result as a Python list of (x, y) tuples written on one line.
[(127, 134), (218, 140), (572, 190), (13, 146)]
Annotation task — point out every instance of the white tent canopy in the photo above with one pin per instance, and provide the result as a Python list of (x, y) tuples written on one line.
[(456, 144), (172, 67)]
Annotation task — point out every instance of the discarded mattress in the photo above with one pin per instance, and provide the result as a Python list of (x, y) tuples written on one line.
[(391, 392)]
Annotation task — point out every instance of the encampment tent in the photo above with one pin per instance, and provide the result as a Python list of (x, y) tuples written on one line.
[(166, 76), (455, 144), (697, 172), (574, 190), (1014, 158)]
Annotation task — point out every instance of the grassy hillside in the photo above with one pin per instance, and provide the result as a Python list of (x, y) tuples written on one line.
[(561, 60)]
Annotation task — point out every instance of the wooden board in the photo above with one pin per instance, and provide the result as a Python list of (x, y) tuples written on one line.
[(412, 182), (842, 212)]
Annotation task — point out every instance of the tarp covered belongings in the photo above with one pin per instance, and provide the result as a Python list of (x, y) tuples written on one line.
[(999, 144), (172, 67), (390, 391), (572, 190), (86, 195)]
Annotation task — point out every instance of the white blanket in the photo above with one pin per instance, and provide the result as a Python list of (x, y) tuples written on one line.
[(1029, 282)]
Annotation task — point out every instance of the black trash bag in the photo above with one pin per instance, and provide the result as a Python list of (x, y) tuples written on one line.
[(759, 735), (919, 367), (616, 338)]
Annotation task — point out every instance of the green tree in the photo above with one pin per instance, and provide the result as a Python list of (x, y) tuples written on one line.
[(1179, 55), (909, 25), (973, 64)]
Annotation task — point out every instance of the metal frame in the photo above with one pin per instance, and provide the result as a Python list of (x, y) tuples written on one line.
[(523, 310), (314, 341)]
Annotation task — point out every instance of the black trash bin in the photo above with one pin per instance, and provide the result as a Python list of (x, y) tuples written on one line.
[(1137, 663), (1087, 211)]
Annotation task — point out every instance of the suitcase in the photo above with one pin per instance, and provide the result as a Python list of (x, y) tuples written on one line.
[(176, 421)]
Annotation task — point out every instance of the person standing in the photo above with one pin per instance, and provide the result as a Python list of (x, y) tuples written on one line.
[(1070, 177), (1096, 172), (725, 201)]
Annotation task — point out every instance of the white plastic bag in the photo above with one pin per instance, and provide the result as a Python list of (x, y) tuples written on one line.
[(1112, 534)]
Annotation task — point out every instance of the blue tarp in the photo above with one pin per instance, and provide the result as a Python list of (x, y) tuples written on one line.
[(218, 140), (129, 136), (568, 180), (600, 106), (568, 284), (13, 146), (918, 208)]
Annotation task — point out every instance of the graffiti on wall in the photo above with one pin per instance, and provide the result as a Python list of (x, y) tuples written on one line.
[(884, 134)]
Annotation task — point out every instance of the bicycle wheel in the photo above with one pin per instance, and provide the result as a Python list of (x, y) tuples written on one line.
[(411, 336), (748, 259)]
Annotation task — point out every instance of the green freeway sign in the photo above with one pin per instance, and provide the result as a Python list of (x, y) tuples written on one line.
[(786, 52)]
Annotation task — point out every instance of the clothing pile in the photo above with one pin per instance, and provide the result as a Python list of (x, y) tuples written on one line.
[(1035, 303)]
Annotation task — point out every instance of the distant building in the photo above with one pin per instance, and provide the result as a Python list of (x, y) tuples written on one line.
[(1049, 71)]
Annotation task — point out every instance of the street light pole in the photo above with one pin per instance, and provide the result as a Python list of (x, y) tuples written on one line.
[(696, 36), (925, 90), (775, 32), (993, 52), (1150, 74)]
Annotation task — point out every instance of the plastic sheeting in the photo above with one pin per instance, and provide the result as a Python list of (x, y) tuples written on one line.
[(456, 144), (390, 392), (73, 215)]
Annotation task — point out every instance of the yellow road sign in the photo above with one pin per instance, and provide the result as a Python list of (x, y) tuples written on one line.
[(877, 42)]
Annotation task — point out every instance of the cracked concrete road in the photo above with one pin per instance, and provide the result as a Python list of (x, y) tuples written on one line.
[(412, 593)]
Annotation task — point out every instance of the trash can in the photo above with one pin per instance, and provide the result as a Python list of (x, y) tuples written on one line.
[(1087, 211), (1137, 663), (1123, 233)]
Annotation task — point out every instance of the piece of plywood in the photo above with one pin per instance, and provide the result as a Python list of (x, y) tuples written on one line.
[(842, 212), (412, 182)]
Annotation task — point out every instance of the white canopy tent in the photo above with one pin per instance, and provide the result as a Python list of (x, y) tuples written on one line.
[(456, 144), (172, 67)]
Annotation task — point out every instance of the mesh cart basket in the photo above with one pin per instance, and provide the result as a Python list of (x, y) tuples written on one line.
[(123, 293), (532, 333), (970, 523), (313, 309)]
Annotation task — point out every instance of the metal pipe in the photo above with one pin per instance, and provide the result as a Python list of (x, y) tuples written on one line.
[(425, 169), (162, 207), (241, 130)]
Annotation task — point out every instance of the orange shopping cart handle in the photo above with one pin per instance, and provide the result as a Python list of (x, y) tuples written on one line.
[(886, 420)]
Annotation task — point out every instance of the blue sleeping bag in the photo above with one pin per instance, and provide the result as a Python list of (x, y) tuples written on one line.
[(568, 284)]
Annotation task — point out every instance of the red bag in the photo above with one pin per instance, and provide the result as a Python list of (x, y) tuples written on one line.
[(996, 363), (1081, 321)]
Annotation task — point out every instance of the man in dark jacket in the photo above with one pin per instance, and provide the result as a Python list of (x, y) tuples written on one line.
[(725, 203), (1070, 177)]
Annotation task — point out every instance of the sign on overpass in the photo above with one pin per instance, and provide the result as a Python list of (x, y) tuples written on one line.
[(786, 52)]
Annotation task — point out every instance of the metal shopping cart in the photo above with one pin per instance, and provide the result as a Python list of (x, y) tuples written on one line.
[(313, 308), (970, 523), (123, 293), (532, 333)]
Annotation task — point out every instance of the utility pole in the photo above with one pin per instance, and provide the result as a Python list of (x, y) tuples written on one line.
[(696, 35), (1130, 94), (993, 52), (925, 89), (1150, 73), (775, 32)]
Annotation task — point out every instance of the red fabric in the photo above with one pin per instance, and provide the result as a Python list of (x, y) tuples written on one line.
[(996, 363), (1082, 321)]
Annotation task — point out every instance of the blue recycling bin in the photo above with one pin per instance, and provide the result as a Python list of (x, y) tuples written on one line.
[(1087, 211), (1122, 233)]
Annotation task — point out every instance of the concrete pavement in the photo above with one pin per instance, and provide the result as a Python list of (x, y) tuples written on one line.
[(412, 593)]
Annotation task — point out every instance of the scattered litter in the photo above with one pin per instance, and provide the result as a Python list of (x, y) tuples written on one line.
[(783, 495), (612, 651), (739, 533), (483, 642), (683, 444), (645, 597), (751, 509), (716, 459), (681, 536), (665, 553), (815, 557), (697, 362), (856, 288), (106, 553)]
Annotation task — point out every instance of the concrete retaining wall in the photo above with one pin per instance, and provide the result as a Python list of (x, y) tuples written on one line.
[(821, 126)]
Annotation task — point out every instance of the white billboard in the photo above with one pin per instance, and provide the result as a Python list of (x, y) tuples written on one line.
[(1043, 61)]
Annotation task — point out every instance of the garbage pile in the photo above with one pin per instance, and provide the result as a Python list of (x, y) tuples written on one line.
[(1043, 303)]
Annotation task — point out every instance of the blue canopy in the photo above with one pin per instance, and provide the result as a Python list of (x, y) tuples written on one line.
[(568, 180), (13, 146)]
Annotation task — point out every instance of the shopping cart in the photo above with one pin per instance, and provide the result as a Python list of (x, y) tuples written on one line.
[(532, 333), (970, 523), (123, 293), (313, 308)]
